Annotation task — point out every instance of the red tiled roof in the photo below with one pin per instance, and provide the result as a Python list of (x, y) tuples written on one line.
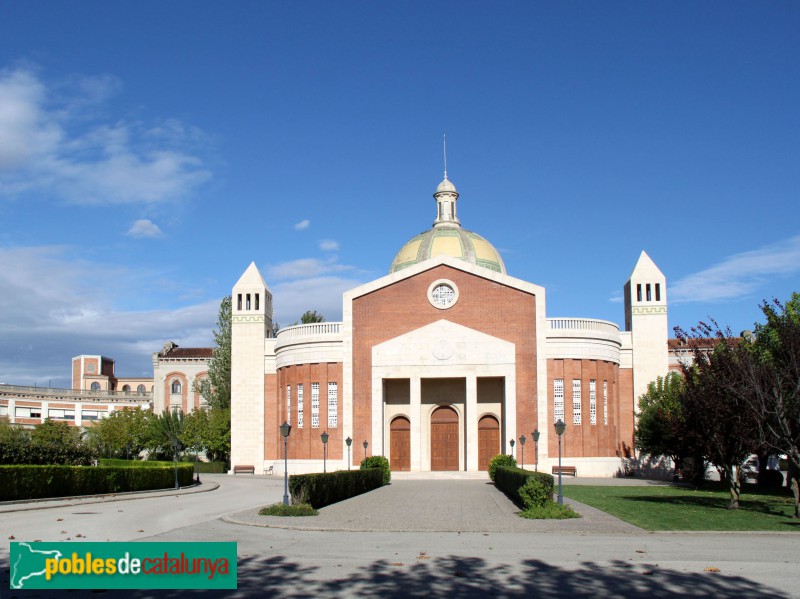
[(187, 352), (706, 343)]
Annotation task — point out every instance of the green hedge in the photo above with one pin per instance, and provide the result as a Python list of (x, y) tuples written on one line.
[(510, 480), (38, 482), (500, 460), (324, 489), (212, 467), (207, 467), (378, 461), (118, 463)]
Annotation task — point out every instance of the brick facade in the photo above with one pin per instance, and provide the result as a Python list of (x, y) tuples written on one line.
[(483, 305)]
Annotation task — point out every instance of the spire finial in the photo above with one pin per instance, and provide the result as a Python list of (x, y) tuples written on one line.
[(444, 140)]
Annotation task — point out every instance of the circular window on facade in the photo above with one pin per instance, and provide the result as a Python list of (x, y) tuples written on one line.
[(442, 294)]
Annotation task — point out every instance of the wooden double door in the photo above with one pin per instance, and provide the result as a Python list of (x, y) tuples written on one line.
[(444, 439)]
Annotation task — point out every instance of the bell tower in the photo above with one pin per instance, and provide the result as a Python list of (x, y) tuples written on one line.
[(251, 323), (646, 319)]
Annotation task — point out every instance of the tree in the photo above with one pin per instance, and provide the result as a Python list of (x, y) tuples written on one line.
[(775, 378), (660, 424), (163, 430), (216, 389), (311, 316), (51, 442), (218, 444), (716, 404), (308, 317), (121, 433)]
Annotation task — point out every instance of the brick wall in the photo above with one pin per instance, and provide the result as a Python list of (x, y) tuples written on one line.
[(305, 443), (586, 439)]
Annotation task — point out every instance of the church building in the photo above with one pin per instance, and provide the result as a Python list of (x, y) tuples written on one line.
[(441, 364)]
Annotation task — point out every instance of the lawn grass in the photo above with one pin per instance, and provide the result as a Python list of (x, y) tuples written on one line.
[(679, 508), (278, 509)]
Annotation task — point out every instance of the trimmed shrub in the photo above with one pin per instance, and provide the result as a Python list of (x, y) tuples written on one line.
[(511, 480), (38, 482), (549, 511), (278, 509), (378, 461), (499, 460), (320, 489), (535, 492)]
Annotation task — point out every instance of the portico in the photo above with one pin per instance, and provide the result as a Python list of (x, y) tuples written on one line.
[(442, 378)]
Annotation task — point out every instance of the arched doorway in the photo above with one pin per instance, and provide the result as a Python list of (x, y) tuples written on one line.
[(400, 444), (488, 440), (444, 439)]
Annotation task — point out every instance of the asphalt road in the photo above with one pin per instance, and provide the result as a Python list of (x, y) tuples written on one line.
[(280, 562)]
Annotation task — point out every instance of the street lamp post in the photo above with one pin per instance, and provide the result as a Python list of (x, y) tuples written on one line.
[(285, 430), (175, 459), (324, 437), (365, 449), (512, 447), (535, 434), (560, 426), (349, 442), (197, 463), (522, 440)]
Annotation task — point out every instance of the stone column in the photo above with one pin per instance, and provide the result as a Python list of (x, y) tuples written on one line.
[(472, 423), (415, 419)]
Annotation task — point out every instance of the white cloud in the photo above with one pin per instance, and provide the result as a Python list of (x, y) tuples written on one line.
[(55, 306), (740, 274), (329, 245), (302, 225), (119, 163), (305, 268), (144, 228)]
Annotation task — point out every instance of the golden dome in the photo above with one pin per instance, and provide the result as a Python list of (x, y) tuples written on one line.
[(451, 241)]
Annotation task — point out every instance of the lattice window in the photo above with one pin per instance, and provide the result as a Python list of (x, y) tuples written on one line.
[(288, 404), (605, 402), (300, 405), (333, 404), (592, 401), (576, 401), (314, 405), (558, 400)]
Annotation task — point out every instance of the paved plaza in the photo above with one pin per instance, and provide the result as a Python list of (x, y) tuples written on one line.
[(455, 536)]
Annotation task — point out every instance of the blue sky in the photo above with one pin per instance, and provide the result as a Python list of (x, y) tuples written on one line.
[(149, 151)]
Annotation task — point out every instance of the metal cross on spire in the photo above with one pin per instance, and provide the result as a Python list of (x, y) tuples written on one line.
[(444, 138)]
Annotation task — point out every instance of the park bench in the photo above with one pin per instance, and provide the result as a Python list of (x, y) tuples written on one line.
[(268, 470), (571, 470), (244, 469)]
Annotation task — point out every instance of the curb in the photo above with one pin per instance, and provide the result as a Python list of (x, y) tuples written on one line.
[(31, 504)]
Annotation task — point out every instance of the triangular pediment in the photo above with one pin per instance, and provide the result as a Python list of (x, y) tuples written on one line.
[(456, 263), (443, 343)]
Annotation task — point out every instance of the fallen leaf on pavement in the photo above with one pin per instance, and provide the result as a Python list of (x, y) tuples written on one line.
[(711, 569), (397, 564), (12, 537)]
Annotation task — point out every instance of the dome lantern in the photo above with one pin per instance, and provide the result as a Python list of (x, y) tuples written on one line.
[(448, 238)]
